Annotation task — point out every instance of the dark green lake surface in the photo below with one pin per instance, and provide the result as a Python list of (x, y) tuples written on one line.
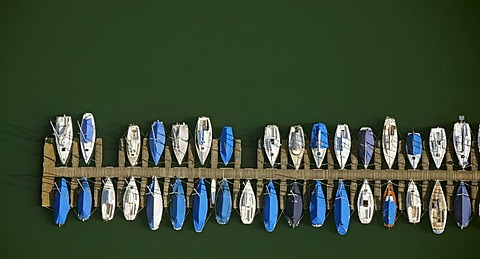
[(244, 64)]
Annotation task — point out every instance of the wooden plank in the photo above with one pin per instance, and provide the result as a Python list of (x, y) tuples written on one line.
[(98, 152), (168, 153), (284, 155), (377, 159), (238, 153), (75, 153), (401, 155), (214, 154), (401, 191), (121, 153), (260, 156), (145, 153), (191, 154)]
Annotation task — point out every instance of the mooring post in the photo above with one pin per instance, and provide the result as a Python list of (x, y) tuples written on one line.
[(401, 155), (121, 153), (238, 153), (260, 157), (168, 153), (191, 154), (449, 195), (283, 155), (425, 200), (145, 154), (98, 152), (166, 192), (353, 191), (282, 193), (236, 192), (378, 156), (377, 193), (259, 193), (401, 190), (214, 154)]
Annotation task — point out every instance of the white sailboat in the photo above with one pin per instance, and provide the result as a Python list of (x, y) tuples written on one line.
[(462, 141), (413, 203), (131, 200), (365, 204), (438, 145), (108, 201), (203, 138), (296, 145), (154, 204), (63, 132), (389, 141), (180, 141), (133, 144), (248, 204), (342, 144), (271, 143), (213, 190), (87, 136), (438, 209)]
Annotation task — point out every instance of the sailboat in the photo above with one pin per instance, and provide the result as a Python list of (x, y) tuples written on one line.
[(226, 144), (87, 136), (389, 206), (318, 206), (178, 205), (200, 206), (438, 145), (414, 148), (438, 209), (319, 143), (367, 146), (462, 141), (154, 204), (203, 138), (294, 206), (108, 201), (341, 209), (156, 140), (248, 204), (223, 205), (413, 203), (180, 141), (342, 144), (296, 145), (389, 141), (63, 132), (84, 201), (133, 144), (270, 207), (462, 206), (271, 143), (61, 202), (131, 200), (365, 203)]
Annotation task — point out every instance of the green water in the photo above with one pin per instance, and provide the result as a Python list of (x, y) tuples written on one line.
[(245, 64)]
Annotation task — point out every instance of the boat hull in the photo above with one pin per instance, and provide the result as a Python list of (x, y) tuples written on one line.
[(180, 137), (84, 202), (61, 202), (203, 138), (414, 149), (154, 204), (342, 144), (319, 143), (270, 207), (462, 206), (341, 209), (438, 209), (317, 206), (156, 141), (271, 143), (365, 204), (63, 132), (438, 145), (294, 206), (133, 144), (462, 142), (108, 200), (223, 205), (178, 205), (296, 145), (389, 141), (367, 146), (389, 206), (248, 204), (87, 136), (226, 145), (200, 206), (413, 203), (131, 200)]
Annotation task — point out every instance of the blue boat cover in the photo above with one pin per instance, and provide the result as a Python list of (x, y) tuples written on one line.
[(223, 205), (150, 204), (84, 202), (177, 205), (200, 206), (367, 145), (156, 140), (389, 209), (414, 144), (87, 129), (323, 136), (61, 202), (341, 209), (294, 206), (270, 207), (318, 205), (226, 144), (462, 207)]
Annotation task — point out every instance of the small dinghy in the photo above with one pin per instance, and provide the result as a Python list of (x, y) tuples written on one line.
[(319, 143), (87, 136), (84, 200), (462, 206), (156, 141), (413, 203), (270, 207), (223, 205), (438, 145), (108, 201), (131, 200), (271, 143), (367, 146), (61, 202), (213, 190), (318, 206), (437, 209), (341, 209), (294, 206), (200, 206), (203, 138), (154, 204), (296, 145), (248, 204), (342, 144), (180, 141), (365, 203), (226, 145), (462, 141), (414, 149), (63, 132), (389, 141), (178, 205), (133, 144), (389, 206)]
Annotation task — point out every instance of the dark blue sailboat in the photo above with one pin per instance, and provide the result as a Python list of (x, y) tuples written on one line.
[(319, 143), (61, 202), (341, 209), (270, 207), (200, 206), (226, 144), (389, 206), (318, 206), (177, 205), (462, 206), (367, 145), (84, 202), (223, 205), (156, 141), (294, 206)]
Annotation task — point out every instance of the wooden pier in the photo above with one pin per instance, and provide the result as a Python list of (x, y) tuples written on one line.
[(282, 174)]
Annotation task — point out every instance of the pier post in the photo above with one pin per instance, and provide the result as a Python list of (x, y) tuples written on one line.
[(98, 152), (329, 155), (401, 155), (353, 191), (260, 157), (143, 184), (238, 153), (354, 156), (75, 153), (166, 192), (214, 154), (259, 193), (191, 153), (48, 177), (284, 155), (378, 156), (120, 187), (449, 156), (474, 189), (307, 155), (282, 193), (473, 157), (425, 200), (236, 193), (97, 187), (401, 191), (425, 162), (449, 195), (121, 153), (189, 193), (377, 193), (168, 153), (330, 195), (145, 154), (73, 192)]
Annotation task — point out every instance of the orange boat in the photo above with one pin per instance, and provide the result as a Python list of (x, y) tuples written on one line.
[(389, 206)]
